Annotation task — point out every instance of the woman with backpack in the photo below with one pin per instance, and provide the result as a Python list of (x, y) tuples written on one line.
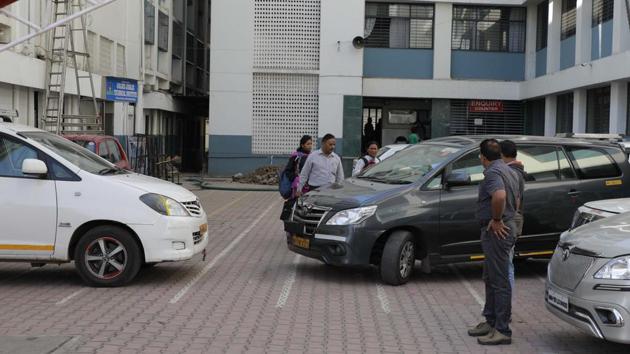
[(368, 160), (290, 177)]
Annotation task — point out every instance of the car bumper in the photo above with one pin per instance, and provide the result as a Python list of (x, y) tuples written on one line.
[(173, 238), (335, 245), (584, 305)]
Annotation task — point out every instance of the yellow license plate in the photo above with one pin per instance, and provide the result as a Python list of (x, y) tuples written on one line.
[(203, 229), (301, 242)]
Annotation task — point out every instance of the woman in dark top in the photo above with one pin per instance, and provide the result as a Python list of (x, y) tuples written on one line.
[(293, 169)]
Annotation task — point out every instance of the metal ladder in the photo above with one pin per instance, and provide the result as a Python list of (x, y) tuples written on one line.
[(63, 50)]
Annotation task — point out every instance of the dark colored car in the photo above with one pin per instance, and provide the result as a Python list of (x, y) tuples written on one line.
[(104, 146), (421, 202)]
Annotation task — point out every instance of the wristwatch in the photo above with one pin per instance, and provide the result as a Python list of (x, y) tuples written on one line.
[(499, 219)]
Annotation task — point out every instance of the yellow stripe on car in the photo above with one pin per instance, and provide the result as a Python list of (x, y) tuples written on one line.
[(614, 182), (540, 253), (27, 247)]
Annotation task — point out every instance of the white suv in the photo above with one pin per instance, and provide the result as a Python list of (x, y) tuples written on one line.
[(62, 203)]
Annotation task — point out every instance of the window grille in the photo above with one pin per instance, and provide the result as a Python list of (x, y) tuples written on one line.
[(399, 26), (542, 25), (121, 68), (286, 106), (105, 56), (163, 24), (564, 113), (490, 29), (598, 110), (603, 11), (509, 121), (287, 34), (568, 18), (149, 22)]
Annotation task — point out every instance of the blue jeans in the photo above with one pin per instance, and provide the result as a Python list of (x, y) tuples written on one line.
[(511, 270)]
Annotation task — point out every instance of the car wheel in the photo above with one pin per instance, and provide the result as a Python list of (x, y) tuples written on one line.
[(399, 257), (107, 256)]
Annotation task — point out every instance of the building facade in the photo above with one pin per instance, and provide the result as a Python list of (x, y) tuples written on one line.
[(280, 69), (160, 46)]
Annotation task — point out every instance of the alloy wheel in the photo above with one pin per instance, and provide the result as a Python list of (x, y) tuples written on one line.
[(106, 258), (407, 259)]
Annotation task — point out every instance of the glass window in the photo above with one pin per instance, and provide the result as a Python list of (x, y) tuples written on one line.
[(470, 164), (409, 165), (435, 183), (398, 26), (603, 11), (149, 22), (12, 155), (491, 29), (598, 110), (103, 151), (163, 26), (568, 18), (593, 163), (60, 172), (540, 163), (564, 113), (566, 171), (113, 151), (542, 25)]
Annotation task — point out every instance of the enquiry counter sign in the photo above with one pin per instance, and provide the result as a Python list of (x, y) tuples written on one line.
[(124, 90), (483, 106)]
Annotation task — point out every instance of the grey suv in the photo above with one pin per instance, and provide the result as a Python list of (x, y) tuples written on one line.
[(420, 203)]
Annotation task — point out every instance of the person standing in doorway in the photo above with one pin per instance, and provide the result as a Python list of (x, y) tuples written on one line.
[(368, 160), (496, 207), (508, 155), (294, 166), (368, 130), (322, 167), (413, 137)]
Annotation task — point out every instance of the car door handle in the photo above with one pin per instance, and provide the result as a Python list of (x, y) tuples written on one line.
[(574, 193)]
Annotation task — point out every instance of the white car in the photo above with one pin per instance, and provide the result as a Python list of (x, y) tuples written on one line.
[(600, 209), (62, 203)]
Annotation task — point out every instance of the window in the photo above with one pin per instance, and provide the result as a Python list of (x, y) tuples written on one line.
[(163, 32), (103, 151), (149, 22), (490, 29), (542, 25), (114, 152), (593, 163), (598, 110), (544, 163), (602, 11), (12, 155), (470, 164), (398, 26), (568, 18), (564, 113), (402, 117)]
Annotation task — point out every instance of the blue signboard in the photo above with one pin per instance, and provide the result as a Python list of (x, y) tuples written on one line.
[(124, 90)]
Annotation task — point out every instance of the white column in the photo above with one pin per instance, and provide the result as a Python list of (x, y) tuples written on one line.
[(579, 111), (553, 36), (583, 31), (551, 108), (530, 44), (618, 106), (621, 28), (442, 41)]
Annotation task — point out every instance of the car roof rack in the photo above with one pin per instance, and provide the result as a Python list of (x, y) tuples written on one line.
[(614, 138)]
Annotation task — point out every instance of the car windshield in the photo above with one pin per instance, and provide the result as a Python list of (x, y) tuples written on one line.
[(86, 144), (409, 165), (73, 153)]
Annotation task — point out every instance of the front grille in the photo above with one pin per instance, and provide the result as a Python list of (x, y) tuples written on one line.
[(567, 273), (194, 207), (197, 237), (309, 215)]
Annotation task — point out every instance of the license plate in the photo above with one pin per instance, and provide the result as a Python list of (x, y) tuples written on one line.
[(301, 242), (558, 300)]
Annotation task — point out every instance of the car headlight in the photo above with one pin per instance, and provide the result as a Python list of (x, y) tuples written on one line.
[(352, 216), (616, 269), (164, 205)]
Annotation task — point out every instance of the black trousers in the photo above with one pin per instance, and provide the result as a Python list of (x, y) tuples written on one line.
[(498, 307)]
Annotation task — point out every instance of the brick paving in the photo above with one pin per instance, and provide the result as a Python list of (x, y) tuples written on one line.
[(261, 298)]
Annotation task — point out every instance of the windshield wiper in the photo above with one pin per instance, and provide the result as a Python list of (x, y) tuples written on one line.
[(109, 171)]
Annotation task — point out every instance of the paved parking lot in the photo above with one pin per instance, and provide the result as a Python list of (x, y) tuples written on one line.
[(253, 295)]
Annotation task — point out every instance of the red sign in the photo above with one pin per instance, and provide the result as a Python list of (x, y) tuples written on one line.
[(481, 106)]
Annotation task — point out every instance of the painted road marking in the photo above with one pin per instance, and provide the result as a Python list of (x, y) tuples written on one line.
[(69, 297), (288, 283), (381, 295), (216, 259), (468, 286)]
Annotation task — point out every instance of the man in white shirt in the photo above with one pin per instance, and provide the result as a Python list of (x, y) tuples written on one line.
[(368, 160), (322, 167)]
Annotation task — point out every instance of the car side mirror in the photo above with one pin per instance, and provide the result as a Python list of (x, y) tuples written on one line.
[(34, 167), (458, 179)]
